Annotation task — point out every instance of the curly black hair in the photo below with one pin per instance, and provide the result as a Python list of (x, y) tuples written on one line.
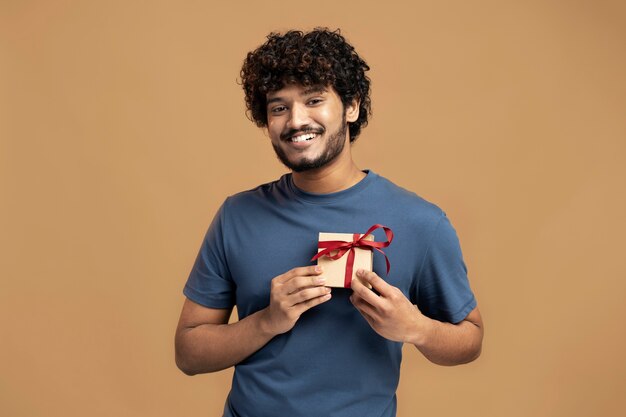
[(319, 57)]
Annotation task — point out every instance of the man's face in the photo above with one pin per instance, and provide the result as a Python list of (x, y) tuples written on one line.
[(307, 125)]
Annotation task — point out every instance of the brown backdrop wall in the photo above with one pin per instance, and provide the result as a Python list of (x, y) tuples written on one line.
[(122, 129)]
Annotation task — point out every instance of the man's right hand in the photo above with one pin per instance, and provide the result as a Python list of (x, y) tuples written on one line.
[(293, 293), (206, 343)]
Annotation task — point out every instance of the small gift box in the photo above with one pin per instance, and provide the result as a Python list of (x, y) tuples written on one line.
[(335, 269), (342, 254)]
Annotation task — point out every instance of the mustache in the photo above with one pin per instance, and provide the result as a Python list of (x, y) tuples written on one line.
[(293, 132)]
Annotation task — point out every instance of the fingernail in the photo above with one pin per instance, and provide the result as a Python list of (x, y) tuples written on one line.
[(359, 272), (320, 280), (318, 268)]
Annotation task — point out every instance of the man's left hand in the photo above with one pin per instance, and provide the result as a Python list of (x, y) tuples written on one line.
[(390, 314)]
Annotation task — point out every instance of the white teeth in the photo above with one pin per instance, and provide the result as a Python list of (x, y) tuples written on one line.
[(302, 138)]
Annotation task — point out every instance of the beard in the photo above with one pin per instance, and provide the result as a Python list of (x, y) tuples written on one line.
[(334, 146)]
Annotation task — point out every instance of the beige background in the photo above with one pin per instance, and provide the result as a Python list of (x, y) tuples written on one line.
[(122, 129)]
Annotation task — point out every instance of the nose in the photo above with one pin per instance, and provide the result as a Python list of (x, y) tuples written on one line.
[(298, 116)]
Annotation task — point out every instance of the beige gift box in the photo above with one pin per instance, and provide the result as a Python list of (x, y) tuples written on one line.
[(334, 270)]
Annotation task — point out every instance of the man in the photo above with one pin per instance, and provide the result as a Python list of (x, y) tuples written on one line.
[(300, 349)]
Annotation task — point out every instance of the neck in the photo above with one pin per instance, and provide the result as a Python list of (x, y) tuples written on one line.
[(338, 175)]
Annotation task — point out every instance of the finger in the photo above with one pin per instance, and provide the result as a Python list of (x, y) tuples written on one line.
[(365, 293), (304, 306), (303, 282), (299, 272), (366, 316), (363, 306), (307, 294), (375, 281)]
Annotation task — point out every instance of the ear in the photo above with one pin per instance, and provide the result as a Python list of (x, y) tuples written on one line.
[(352, 111)]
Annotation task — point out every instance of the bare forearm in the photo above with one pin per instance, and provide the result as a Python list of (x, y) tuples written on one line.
[(450, 344), (206, 343), (213, 347), (392, 315)]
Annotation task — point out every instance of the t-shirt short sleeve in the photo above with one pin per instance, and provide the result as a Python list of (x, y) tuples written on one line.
[(443, 291), (210, 283)]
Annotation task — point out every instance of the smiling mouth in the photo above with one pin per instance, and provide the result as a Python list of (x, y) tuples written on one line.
[(302, 138)]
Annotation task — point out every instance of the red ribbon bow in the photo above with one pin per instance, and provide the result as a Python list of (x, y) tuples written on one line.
[(358, 241)]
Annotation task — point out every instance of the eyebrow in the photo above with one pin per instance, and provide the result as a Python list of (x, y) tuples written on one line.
[(307, 91), (313, 90)]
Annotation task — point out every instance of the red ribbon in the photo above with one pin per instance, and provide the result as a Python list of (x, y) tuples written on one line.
[(357, 242)]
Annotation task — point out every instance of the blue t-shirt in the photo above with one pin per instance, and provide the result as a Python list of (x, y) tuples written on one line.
[(332, 363)]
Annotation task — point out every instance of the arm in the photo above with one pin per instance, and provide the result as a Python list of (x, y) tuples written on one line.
[(450, 344), (205, 342), (393, 316)]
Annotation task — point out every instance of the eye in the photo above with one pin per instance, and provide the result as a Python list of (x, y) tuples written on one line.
[(314, 101), (278, 109)]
